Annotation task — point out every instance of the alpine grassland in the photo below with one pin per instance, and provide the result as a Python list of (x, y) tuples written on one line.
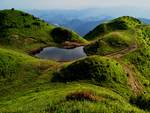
[(23, 31), (113, 78)]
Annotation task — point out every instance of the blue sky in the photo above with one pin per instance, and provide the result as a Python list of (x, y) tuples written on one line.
[(68, 4)]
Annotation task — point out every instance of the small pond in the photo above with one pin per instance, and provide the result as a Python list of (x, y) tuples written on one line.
[(58, 54)]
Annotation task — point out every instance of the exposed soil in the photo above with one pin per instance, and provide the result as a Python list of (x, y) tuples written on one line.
[(132, 47), (94, 41), (69, 45), (14, 35), (33, 51), (27, 39), (134, 86), (55, 65)]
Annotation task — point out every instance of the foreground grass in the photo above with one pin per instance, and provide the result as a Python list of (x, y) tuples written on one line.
[(31, 90), (18, 69), (52, 98), (27, 86)]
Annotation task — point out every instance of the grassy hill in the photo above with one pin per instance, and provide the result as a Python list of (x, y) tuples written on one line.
[(101, 82), (121, 23), (24, 31), (109, 43), (120, 44)]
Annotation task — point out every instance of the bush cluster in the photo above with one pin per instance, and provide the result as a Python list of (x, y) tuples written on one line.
[(141, 100), (82, 95)]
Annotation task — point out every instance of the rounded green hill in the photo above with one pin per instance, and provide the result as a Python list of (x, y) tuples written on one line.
[(61, 34), (99, 70), (121, 23), (109, 43), (22, 30)]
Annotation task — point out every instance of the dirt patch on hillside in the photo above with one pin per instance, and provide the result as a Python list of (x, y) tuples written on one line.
[(94, 41), (33, 51), (70, 45), (14, 35), (28, 39), (132, 47), (134, 86)]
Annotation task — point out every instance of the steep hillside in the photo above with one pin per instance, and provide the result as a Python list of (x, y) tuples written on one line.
[(121, 23), (22, 30), (83, 29), (112, 36), (100, 71), (61, 34), (17, 69), (129, 47), (109, 43), (107, 81)]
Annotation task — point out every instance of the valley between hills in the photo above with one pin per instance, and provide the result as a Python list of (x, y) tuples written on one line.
[(114, 77)]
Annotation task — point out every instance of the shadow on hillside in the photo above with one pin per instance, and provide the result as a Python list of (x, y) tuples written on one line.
[(58, 77)]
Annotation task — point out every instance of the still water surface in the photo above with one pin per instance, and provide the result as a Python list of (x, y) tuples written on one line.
[(58, 54)]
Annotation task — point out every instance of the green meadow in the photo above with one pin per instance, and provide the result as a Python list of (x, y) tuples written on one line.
[(93, 84)]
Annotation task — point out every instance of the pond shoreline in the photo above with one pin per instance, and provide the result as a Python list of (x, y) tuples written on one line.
[(61, 54), (70, 45), (64, 45)]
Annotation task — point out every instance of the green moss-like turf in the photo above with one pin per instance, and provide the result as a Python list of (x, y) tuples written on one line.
[(110, 43), (29, 84)]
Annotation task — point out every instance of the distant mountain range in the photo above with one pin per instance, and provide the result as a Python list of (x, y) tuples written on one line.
[(83, 27), (147, 21), (80, 26), (83, 21), (115, 11)]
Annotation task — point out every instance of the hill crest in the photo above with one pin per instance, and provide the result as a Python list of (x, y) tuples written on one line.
[(22, 30), (121, 23)]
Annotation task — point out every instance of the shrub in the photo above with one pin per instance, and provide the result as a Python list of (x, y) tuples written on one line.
[(34, 18), (61, 34), (141, 100), (82, 95), (27, 26), (36, 23), (25, 14), (12, 9)]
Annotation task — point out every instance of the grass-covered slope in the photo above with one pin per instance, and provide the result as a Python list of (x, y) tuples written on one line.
[(112, 36), (109, 43), (61, 34), (26, 86), (17, 69), (90, 84), (99, 70), (140, 59), (19, 28), (22, 30), (52, 98), (136, 58), (121, 23)]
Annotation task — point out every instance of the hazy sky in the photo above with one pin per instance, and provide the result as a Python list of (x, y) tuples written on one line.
[(68, 4)]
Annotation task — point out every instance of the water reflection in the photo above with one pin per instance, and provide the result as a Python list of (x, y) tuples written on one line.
[(57, 54)]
